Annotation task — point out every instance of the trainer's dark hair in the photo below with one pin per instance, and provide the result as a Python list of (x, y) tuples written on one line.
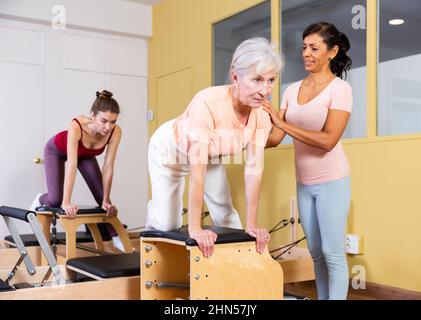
[(332, 36), (105, 102)]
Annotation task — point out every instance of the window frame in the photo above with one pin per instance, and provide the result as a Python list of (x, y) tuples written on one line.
[(372, 64)]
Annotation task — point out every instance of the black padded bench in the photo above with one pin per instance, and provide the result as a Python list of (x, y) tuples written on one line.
[(4, 286), (81, 210), (109, 266), (225, 235)]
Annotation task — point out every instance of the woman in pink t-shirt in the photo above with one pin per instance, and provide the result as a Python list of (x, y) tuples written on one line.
[(315, 112), (219, 121)]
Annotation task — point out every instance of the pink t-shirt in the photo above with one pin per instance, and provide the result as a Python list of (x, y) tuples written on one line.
[(314, 165), (210, 119)]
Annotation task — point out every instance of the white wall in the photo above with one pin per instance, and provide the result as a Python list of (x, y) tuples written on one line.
[(22, 106), (92, 62), (49, 76), (101, 15)]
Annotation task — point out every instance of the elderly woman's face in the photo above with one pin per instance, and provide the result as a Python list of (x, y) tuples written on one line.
[(254, 88)]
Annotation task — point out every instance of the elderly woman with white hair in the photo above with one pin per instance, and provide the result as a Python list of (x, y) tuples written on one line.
[(219, 121)]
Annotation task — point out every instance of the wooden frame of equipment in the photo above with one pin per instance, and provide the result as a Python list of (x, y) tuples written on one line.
[(172, 270), (91, 220), (124, 288)]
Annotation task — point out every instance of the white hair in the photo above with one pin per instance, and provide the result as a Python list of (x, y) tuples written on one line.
[(258, 55)]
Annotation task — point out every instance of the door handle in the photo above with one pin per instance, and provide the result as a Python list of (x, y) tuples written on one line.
[(38, 160)]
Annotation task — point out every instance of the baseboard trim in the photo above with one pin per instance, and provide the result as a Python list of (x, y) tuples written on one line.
[(372, 291), (384, 292)]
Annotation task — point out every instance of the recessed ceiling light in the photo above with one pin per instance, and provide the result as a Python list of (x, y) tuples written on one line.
[(396, 22)]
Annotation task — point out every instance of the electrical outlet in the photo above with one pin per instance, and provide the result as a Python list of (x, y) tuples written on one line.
[(354, 244)]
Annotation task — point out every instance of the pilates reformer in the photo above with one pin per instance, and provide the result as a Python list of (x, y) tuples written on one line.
[(119, 272), (99, 269), (9, 214)]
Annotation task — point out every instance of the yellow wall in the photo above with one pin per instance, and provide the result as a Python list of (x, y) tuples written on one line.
[(386, 172)]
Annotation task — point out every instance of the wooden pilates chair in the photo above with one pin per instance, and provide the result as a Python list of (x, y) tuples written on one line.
[(173, 267), (90, 216)]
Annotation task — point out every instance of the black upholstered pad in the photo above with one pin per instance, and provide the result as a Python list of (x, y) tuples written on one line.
[(225, 235), (4, 286), (110, 266), (82, 210), (17, 213), (29, 240)]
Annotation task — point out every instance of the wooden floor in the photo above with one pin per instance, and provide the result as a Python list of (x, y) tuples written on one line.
[(308, 289)]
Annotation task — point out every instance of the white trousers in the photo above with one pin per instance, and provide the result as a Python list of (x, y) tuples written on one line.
[(164, 211)]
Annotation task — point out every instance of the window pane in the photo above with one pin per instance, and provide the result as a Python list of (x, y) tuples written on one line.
[(399, 84), (296, 16), (229, 33)]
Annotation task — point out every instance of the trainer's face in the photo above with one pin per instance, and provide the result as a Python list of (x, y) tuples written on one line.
[(316, 54)]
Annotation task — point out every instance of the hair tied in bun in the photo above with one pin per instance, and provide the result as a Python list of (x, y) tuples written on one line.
[(104, 94)]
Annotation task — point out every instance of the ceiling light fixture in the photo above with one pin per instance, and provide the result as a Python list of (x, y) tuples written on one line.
[(396, 22)]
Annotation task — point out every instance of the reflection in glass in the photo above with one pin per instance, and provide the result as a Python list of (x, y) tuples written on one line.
[(296, 16), (399, 84), (229, 33)]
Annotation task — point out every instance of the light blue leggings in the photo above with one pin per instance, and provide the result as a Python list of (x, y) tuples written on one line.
[(323, 212)]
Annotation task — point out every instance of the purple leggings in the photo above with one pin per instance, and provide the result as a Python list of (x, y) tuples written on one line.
[(54, 163)]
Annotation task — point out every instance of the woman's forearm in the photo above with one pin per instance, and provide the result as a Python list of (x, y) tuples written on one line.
[(275, 137), (253, 185), (324, 139), (196, 194), (107, 179), (318, 139), (69, 181)]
